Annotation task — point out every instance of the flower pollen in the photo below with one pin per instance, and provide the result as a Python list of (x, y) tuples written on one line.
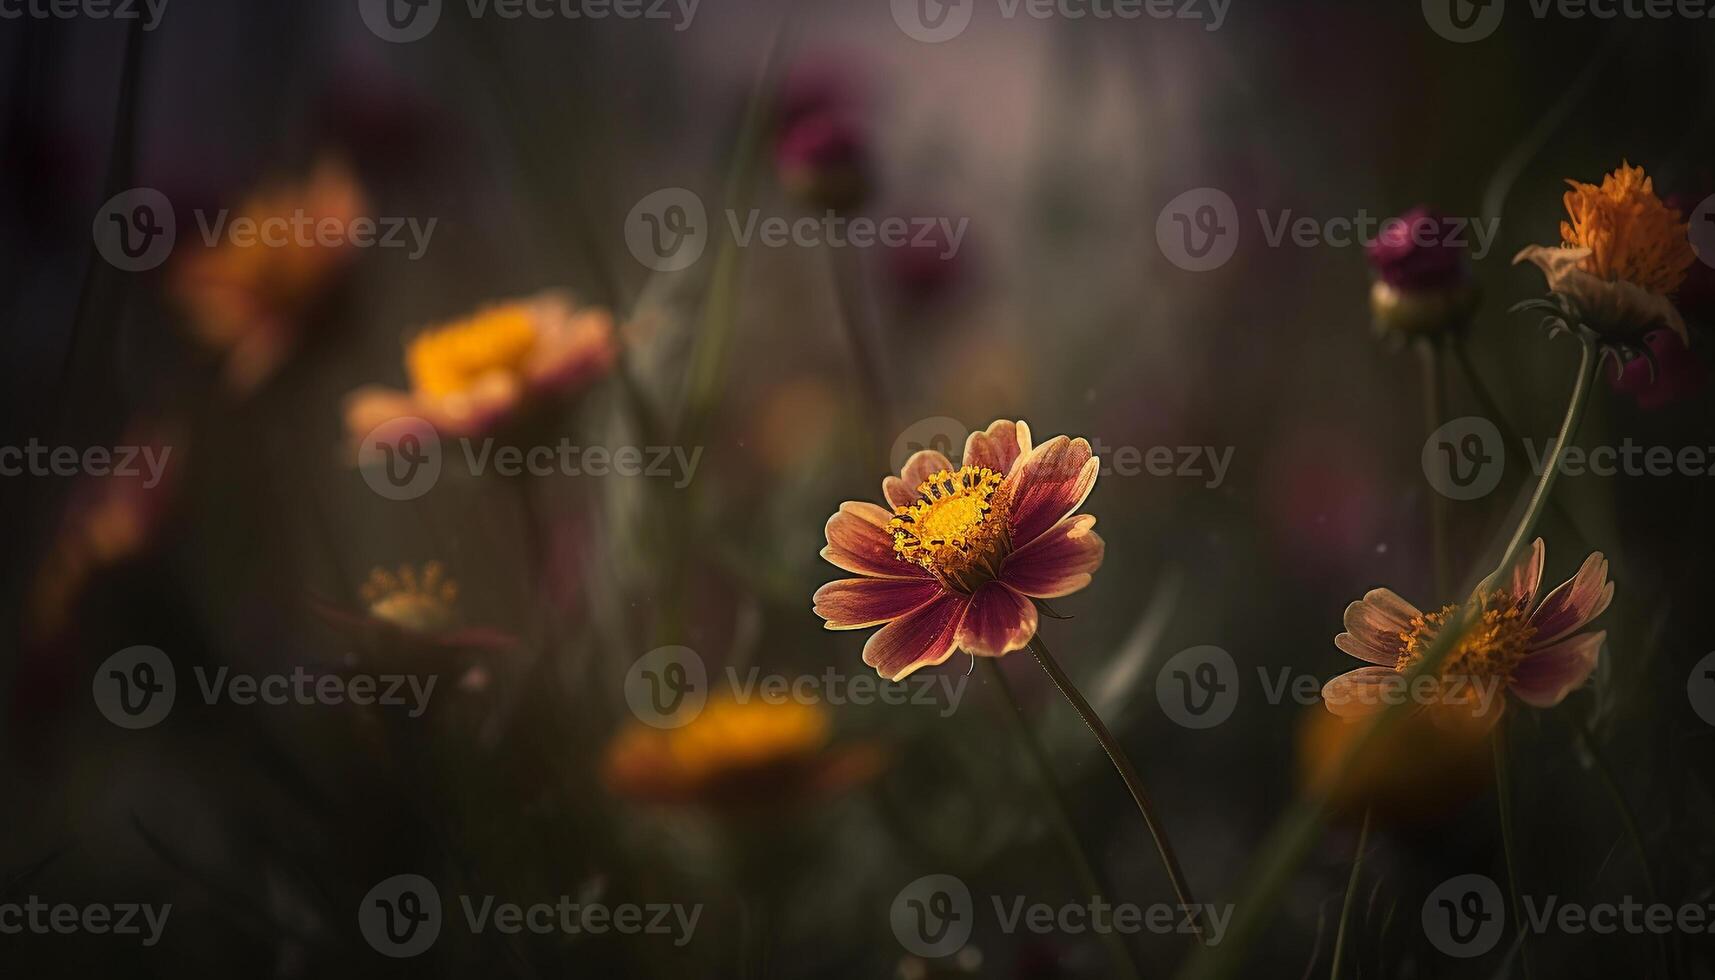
[(956, 528), (1490, 649), (419, 603), (1632, 236)]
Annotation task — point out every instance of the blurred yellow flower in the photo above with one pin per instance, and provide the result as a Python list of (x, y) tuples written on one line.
[(475, 373), (736, 752), (1622, 255), (416, 603)]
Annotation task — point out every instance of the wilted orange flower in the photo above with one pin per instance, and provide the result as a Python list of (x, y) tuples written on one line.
[(736, 752), (1623, 254), (1519, 645), (248, 299), (957, 562), (472, 374)]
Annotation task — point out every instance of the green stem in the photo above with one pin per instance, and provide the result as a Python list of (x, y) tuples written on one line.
[(1503, 795), (1127, 772), (1060, 813), (1351, 895), (1551, 462), (1434, 408)]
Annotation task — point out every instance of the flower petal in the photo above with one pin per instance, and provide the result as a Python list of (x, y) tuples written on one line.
[(1527, 576), (857, 543), (1057, 563), (997, 622), (1373, 625), (1359, 693), (923, 464), (921, 638), (999, 447), (1049, 484), (1574, 603), (1544, 678), (854, 603)]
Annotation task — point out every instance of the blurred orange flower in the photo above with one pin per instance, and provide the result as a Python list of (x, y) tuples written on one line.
[(410, 622), (1623, 254), (736, 753), (957, 562), (247, 299), (470, 375), (1445, 765)]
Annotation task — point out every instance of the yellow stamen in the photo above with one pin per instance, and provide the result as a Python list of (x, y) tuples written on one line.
[(418, 603), (957, 528), (1489, 650), (1632, 236), (451, 359)]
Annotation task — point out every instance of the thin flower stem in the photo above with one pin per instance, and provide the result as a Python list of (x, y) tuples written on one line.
[(1434, 412), (1627, 819), (1128, 773), (1089, 878), (852, 290), (1351, 895), (1551, 462), (1503, 794)]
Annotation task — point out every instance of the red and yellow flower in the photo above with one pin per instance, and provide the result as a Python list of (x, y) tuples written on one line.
[(959, 558), (1519, 645)]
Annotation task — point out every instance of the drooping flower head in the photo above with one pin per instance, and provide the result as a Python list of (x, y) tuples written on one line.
[(249, 299), (1622, 255), (1423, 281), (1519, 645), (474, 374), (957, 561), (736, 753)]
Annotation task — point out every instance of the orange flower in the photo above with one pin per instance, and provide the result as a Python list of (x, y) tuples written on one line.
[(736, 753), (478, 372), (1623, 254), (1519, 644), (957, 562), (1448, 765), (409, 621), (248, 300)]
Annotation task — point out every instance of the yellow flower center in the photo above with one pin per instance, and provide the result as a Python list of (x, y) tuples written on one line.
[(1632, 236), (450, 360), (1489, 651), (419, 603), (957, 527)]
